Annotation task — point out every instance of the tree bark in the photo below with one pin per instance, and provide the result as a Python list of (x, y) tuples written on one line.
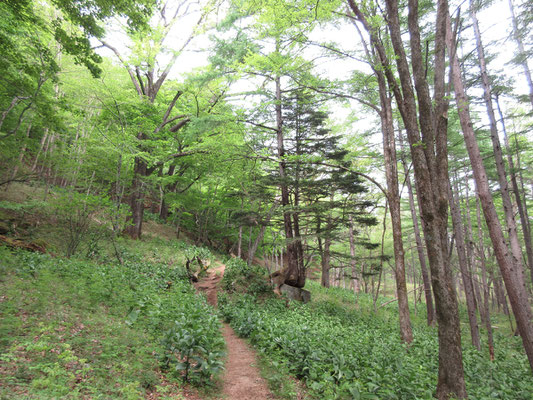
[(295, 276), (463, 266), (516, 249), (430, 310), (135, 220), (354, 278), (325, 263), (429, 155), (261, 235), (393, 194), (510, 266), (21, 156), (522, 211), (486, 293)]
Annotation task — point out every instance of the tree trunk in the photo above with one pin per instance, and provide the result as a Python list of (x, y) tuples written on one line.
[(239, 243), (483, 265), (522, 53), (430, 311), (43, 141), (393, 194), (463, 266), (516, 249), (295, 276), (325, 263), (354, 278), (21, 155), (261, 235), (522, 211), (510, 266), (12, 105), (134, 229), (429, 155)]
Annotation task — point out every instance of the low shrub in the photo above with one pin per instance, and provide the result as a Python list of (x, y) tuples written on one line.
[(243, 278)]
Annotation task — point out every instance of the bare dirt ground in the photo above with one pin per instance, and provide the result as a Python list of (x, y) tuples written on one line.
[(241, 380)]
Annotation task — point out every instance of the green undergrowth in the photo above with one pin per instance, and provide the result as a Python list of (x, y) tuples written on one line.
[(78, 328), (342, 352), (241, 277)]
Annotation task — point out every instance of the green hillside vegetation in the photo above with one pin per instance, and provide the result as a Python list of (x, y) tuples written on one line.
[(341, 349), (122, 320), (90, 326), (372, 160)]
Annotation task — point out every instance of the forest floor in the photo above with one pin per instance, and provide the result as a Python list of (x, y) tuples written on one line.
[(241, 379)]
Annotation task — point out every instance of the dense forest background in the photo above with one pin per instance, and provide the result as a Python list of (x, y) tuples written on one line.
[(360, 144)]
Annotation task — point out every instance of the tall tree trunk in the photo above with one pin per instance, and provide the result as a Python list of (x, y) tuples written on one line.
[(430, 167), (41, 146), (469, 245), (510, 265), (325, 263), (21, 155), (483, 265), (354, 278), (134, 229), (522, 55), (393, 194), (12, 105), (463, 266), (239, 243), (516, 249), (522, 211), (430, 310), (295, 276)]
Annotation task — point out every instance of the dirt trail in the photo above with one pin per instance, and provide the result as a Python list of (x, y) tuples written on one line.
[(241, 380)]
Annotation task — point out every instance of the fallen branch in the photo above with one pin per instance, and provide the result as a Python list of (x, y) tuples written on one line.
[(20, 244)]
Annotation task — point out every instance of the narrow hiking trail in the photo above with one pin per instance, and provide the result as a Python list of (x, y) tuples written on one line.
[(241, 380)]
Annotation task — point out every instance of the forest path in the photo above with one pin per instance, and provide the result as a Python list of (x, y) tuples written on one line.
[(241, 380)]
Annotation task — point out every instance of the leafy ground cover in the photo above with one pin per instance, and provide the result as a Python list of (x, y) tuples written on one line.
[(345, 353), (76, 328)]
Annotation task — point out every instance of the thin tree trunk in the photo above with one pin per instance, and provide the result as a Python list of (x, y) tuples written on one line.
[(21, 155), (393, 194), (134, 229), (419, 246), (324, 258), (510, 265), (239, 243), (516, 249), (522, 55), (43, 140), (486, 295), (12, 105), (522, 211), (354, 278), (463, 266)]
